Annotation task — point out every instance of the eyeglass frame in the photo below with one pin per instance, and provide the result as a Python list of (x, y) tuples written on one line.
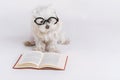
[(44, 21)]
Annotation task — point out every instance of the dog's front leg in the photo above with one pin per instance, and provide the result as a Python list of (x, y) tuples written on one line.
[(63, 40), (52, 47), (39, 45)]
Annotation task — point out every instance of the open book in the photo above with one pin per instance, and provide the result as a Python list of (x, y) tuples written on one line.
[(39, 60)]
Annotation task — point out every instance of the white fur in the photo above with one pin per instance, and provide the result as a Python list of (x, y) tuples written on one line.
[(47, 39)]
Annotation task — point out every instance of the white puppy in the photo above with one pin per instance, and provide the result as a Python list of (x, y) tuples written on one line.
[(46, 30)]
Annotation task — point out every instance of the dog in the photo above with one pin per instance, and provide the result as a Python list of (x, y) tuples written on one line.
[(46, 28)]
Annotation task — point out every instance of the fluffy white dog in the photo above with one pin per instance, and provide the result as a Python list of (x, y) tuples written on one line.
[(46, 30)]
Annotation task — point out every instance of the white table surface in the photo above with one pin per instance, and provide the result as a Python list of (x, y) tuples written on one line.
[(94, 30)]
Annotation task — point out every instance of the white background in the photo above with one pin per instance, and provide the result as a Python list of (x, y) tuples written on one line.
[(92, 25)]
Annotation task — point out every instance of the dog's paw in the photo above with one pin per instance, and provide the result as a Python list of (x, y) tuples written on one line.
[(29, 43), (66, 42), (38, 49), (52, 49)]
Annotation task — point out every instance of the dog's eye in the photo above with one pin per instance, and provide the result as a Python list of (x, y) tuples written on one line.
[(40, 21), (53, 20)]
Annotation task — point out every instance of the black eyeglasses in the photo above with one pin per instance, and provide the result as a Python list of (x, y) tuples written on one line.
[(41, 21)]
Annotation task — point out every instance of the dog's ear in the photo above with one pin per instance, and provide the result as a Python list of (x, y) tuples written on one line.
[(34, 13)]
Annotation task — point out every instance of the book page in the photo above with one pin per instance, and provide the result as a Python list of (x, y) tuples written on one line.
[(50, 59), (62, 61), (32, 57)]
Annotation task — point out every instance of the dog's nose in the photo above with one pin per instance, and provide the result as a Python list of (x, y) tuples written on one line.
[(47, 27)]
